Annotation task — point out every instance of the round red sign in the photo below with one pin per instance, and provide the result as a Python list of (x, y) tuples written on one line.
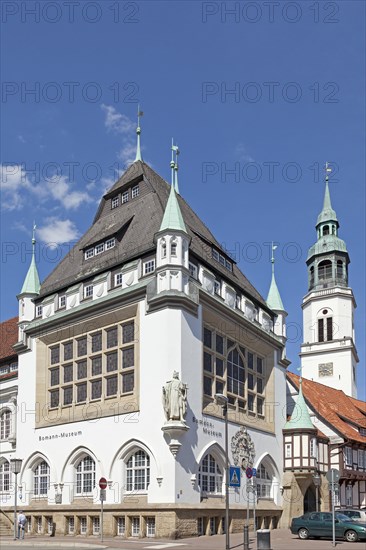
[(103, 483), (249, 472)]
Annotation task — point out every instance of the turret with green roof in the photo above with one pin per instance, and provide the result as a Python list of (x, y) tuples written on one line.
[(300, 418), (31, 283), (328, 258)]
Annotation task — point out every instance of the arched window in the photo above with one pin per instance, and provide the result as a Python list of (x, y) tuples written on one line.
[(339, 269), (235, 373), (173, 248), (264, 482), (163, 248), (326, 230), (4, 477), (312, 275), (41, 479), (325, 270), (85, 476), (138, 472), (5, 423), (210, 475)]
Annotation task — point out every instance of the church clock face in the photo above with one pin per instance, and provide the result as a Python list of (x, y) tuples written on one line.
[(325, 369)]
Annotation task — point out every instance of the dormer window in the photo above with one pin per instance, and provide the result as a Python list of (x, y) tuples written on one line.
[(149, 266), (193, 270), (118, 279), (62, 301), (135, 191), (89, 253), (99, 248), (221, 260), (39, 310), (110, 243), (88, 291), (217, 287), (115, 202), (124, 197)]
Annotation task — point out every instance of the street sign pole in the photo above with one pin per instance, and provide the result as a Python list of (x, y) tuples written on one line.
[(255, 500), (333, 512), (101, 519)]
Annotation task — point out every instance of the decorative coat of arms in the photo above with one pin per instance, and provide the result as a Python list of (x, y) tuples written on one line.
[(242, 448)]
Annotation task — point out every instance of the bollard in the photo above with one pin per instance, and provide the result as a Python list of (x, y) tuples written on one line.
[(246, 537), (263, 539)]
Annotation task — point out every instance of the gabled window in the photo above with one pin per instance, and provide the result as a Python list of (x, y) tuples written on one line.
[(118, 279), (149, 266), (88, 291)]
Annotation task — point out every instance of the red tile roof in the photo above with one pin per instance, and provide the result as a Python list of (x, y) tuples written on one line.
[(335, 407), (8, 337)]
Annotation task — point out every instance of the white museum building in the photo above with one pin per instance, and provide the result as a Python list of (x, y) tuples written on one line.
[(121, 351)]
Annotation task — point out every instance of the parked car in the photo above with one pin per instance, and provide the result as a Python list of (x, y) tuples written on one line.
[(319, 524), (354, 513)]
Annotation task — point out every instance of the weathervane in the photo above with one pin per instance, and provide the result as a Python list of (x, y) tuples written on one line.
[(327, 170), (174, 166), (138, 132), (274, 246)]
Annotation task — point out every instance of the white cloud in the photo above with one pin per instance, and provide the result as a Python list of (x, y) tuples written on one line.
[(13, 181), (242, 153), (57, 231), (21, 139), (61, 191), (117, 122)]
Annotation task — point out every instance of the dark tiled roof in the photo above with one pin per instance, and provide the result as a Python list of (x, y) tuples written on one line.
[(334, 406), (135, 224), (8, 337)]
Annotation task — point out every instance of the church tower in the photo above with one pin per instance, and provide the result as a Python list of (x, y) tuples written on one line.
[(328, 353)]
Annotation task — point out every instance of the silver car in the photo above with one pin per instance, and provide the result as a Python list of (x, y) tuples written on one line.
[(355, 514)]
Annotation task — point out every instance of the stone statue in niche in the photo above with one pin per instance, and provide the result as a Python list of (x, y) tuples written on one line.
[(175, 399)]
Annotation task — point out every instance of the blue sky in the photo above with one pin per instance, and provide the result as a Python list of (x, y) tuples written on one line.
[(257, 99)]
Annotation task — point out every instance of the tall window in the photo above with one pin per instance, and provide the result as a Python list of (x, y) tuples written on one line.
[(325, 270), (236, 372), (264, 482), (210, 475), (85, 476), (138, 472), (339, 269), (41, 479), (325, 329), (4, 477), (5, 423)]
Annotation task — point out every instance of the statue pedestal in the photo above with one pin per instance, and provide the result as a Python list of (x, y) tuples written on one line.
[(173, 433)]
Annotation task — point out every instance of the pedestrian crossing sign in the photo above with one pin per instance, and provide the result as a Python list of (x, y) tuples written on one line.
[(234, 476)]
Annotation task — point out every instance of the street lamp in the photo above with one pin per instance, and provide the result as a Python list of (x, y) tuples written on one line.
[(316, 481), (223, 401), (15, 467)]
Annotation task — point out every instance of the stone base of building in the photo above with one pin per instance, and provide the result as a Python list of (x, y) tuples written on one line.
[(158, 521)]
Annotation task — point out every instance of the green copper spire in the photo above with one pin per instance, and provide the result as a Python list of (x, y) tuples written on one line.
[(173, 218), (138, 132), (274, 298), (300, 417), (31, 283), (327, 214)]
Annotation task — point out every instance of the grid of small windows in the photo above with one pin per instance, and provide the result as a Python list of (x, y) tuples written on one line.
[(135, 191), (124, 197), (96, 365), (149, 266), (99, 248), (115, 202), (10, 367), (221, 260), (234, 371)]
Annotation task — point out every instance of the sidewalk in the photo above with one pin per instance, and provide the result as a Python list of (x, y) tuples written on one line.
[(281, 539)]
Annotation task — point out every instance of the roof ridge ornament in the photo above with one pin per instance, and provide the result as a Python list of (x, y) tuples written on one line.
[(174, 166), (274, 300), (138, 132)]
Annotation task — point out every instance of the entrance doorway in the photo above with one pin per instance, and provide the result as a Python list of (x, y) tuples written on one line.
[(309, 500)]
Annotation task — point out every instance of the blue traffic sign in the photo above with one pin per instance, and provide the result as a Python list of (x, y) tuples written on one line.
[(234, 476), (254, 472)]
